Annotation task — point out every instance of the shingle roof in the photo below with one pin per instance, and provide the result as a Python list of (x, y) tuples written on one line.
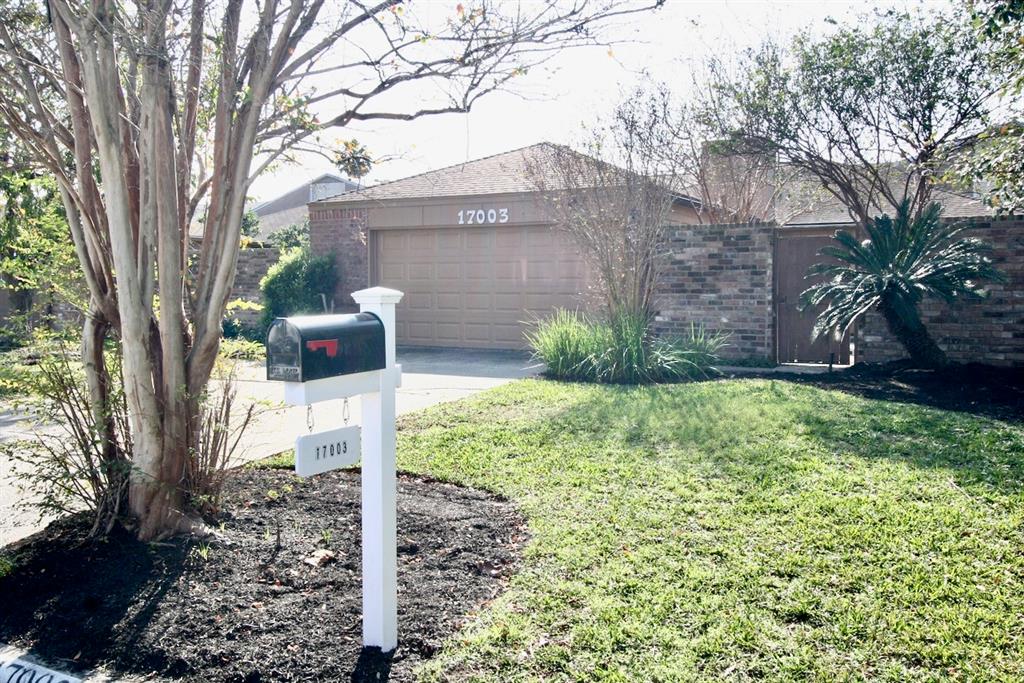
[(298, 196), (505, 173), (828, 210), (497, 174)]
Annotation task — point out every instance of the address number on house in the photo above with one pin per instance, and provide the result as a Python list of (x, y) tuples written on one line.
[(482, 217), (326, 451)]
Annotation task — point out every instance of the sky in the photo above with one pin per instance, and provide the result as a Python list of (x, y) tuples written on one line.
[(554, 102)]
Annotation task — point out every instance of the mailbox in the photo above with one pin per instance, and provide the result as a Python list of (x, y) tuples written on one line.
[(309, 347)]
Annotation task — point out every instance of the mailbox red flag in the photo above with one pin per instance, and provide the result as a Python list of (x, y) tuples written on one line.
[(329, 345)]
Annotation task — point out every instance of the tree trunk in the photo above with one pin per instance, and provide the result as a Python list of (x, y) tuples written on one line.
[(914, 337), (94, 334)]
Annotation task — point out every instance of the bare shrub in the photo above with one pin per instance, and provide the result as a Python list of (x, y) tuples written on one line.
[(78, 460), (220, 432)]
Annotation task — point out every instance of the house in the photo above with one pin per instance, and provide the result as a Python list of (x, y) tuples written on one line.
[(470, 245), (291, 207), (478, 260)]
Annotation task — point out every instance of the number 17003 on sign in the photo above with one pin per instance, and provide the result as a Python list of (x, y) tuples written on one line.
[(326, 451)]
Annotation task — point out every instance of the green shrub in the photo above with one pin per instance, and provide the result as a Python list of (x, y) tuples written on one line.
[(238, 348), (621, 350), (293, 285)]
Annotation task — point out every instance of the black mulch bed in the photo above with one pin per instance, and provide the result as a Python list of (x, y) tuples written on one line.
[(971, 388), (247, 608)]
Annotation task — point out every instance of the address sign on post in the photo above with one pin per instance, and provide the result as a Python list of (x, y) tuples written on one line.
[(326, 451)]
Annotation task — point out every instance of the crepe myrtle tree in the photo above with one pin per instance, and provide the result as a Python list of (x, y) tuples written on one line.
[(614, 198), (145, 110), (902, 262)]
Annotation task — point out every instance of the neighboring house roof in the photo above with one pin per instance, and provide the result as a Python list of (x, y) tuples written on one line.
[(827, 210), (505, 173), (292, 206), (322, 186)]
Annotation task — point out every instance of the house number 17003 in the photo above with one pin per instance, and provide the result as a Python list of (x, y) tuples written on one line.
[(481, 216), (325, 451)]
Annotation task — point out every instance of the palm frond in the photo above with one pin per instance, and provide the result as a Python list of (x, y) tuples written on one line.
[(903, 261)]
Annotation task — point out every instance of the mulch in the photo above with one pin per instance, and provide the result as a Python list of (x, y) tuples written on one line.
[(247, 607), (984, 390)]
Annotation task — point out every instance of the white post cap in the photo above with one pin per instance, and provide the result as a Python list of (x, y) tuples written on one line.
[(377, 295)]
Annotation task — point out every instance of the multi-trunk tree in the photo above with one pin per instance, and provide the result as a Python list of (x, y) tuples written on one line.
[(876, 113), (145, 110)]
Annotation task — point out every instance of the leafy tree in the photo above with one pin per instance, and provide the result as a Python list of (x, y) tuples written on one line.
[(291, 236), (145, 110), (298, 283), (250, 224), (37, 260), (874, 112), (998, 160), (903, 262), (353, 159), (613, 200)]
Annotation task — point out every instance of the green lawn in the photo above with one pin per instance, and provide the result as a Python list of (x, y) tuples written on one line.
[(738, 530)]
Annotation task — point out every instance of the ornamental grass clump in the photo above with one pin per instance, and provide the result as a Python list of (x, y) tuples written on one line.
[(621, 350)]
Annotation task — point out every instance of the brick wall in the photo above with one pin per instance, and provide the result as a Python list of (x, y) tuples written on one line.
[(721, 276), (989, 331), (343, 232), (253, 264)]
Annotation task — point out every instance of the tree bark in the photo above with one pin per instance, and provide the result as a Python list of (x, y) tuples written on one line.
[(914, 337)]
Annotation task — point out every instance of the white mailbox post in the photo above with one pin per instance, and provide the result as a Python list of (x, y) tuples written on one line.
[(380, 537), (341, 447)]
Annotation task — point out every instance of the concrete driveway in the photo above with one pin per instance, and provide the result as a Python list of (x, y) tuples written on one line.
[(429, 376)]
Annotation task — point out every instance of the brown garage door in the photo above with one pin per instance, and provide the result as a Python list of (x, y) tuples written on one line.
[(470, 287)]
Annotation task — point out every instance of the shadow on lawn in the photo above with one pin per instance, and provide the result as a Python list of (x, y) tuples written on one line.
[(982, 390), (747, 429)]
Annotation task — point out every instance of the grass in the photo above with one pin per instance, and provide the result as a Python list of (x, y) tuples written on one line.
[(742, 530)]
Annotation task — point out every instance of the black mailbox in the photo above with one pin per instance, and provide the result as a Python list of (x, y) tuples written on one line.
[(311, 347)]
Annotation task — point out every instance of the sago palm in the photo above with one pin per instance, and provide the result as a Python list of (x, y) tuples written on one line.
[(903, 262)]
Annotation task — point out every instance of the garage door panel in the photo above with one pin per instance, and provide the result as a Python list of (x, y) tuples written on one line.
[(539, 238), (479, 240), (476, 302), (509, 239), (506, 270), (506, 335), (421, 271), (451, 301), (418, 301), (448, 331), (449, 271), (542, 270), (393, 241), (477, 332), (422, 240), (393, 271), (477, 271), (508, 302), (419, 332), (476, 287)]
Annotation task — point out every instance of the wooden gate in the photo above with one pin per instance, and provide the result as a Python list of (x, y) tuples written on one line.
[(796, 250)]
